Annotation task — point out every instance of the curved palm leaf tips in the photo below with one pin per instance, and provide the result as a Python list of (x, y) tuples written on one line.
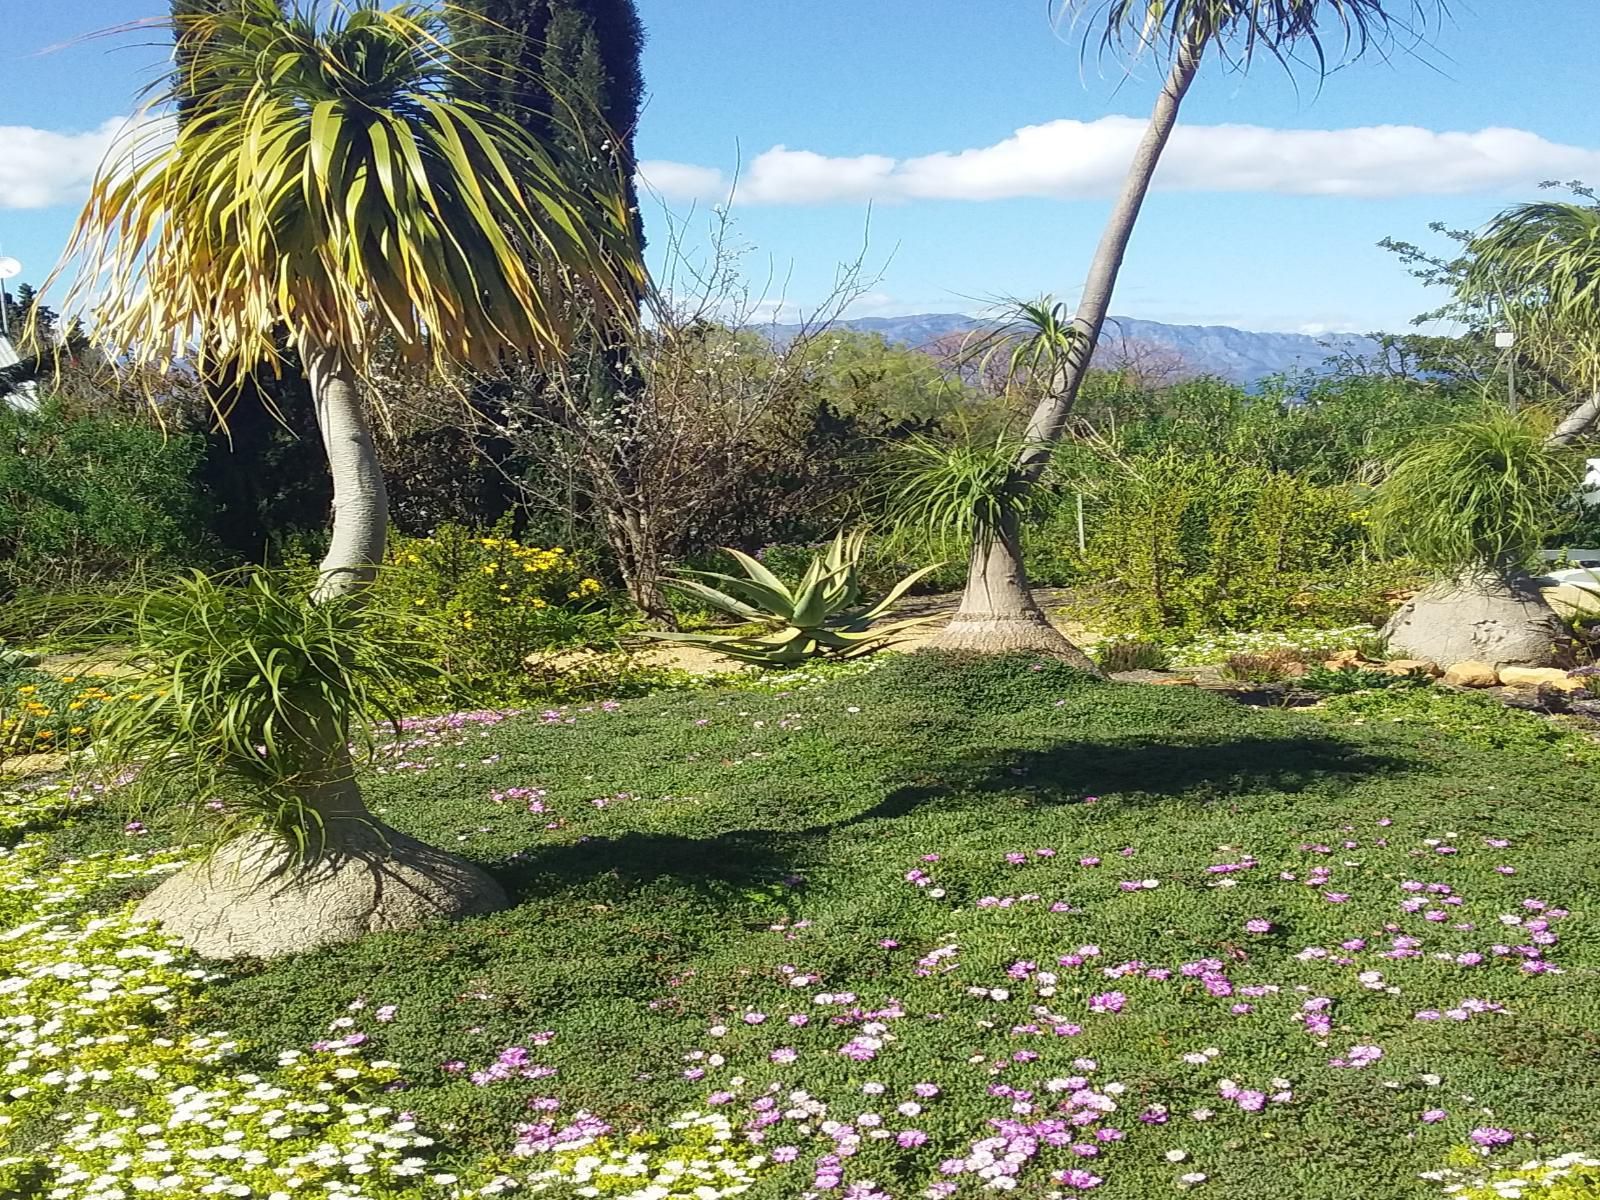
[(1538, 265), (998, 612), (325, 184)]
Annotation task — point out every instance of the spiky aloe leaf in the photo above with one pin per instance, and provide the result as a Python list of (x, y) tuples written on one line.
[(759, 572), (764, 604), (718, 600), (820, 595)]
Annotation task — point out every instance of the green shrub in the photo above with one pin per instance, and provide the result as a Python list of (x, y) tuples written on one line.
[(1212, 543), (41, 712), (89, 499), (1350, 678), (1125, 655), (479, 603), (1267, 666)]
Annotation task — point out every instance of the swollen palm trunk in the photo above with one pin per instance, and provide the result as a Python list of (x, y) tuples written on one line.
[(257, 897), (261, 895), (998, 613)]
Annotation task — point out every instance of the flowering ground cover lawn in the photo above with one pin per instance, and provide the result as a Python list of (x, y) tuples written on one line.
[(939, 929)]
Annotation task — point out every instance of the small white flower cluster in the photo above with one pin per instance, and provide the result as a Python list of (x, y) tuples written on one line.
[(1212, 648), (693, 1160), (30, 808), (1569, 1177), (96, 1105)]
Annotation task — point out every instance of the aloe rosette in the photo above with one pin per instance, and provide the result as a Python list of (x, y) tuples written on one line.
[(820, 616)]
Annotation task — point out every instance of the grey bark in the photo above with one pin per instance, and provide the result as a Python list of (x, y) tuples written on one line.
[(998, 614), (1497, 618), (1050, 416), (639, 561), (360, 499), (1576, 422), (253, 898)]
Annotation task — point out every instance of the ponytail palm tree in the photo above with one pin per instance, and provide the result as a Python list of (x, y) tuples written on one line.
[(1537, 266), (328, 189), (998, 612)]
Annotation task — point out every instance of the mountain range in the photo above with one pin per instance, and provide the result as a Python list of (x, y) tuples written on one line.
[(1239, 355)]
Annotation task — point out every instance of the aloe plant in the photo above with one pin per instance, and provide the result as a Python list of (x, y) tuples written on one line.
[(817, 617)]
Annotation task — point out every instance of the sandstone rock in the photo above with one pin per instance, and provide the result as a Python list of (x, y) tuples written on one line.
[(1406, 666), (34, 764), (1553, 677), (1344, 658), (1486, 620), (1471, 674), (1574, 602)]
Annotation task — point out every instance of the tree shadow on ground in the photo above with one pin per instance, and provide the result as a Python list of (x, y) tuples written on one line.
[(713, 863), (1132, 769)]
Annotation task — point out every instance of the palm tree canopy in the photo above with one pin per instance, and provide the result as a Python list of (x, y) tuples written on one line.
[(329, 185), (1244, 28), (1538, 266)]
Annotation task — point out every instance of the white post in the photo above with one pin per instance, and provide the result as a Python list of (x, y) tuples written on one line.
[(1506, 339)]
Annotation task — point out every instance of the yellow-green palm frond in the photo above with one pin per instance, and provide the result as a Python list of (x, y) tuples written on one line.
[(326, 182)]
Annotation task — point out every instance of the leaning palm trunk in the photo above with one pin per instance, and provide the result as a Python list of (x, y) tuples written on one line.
[(262, 895), (1050, 417), (998, 612), (1576, 422)]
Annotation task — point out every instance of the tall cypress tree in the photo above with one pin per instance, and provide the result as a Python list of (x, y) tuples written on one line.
[(569, 69)]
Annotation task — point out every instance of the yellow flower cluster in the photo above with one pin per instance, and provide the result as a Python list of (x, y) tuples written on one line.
[(46, 716)]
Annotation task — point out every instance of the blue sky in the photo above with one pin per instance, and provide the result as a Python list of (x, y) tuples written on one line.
[(1259, 220)]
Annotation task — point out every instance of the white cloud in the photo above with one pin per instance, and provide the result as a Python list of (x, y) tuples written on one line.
[(1080, 159), (678, 181), (40, 168)]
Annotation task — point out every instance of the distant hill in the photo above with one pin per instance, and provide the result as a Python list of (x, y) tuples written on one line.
[(1235, 354)]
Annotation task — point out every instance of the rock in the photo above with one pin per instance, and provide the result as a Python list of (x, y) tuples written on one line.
[(250, 899), (1345, 658), (1484, 620), (1534, 677), (1471, 674), (1574, 601), (34, 764), (1155, 678), (1409, 666)]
